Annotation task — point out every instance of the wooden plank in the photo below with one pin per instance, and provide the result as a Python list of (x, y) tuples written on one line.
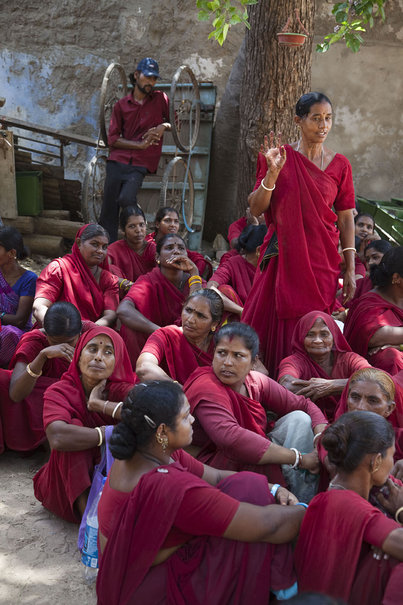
[(61, 214), (63, 135), (8, 191), (24, 224), (46, 245), (67, 229)]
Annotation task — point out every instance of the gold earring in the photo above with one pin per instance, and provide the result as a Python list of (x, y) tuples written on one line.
[(163, 441), (213, 329)]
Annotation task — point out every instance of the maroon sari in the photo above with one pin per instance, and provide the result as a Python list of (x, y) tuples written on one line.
[(300, 365), (69, 278), (366, 315), (68, 473), (159, 300), (131, 264), (304, 275), (246, 571), (175, 354)]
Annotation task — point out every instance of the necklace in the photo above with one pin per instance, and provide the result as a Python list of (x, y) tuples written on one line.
[(336, 486), (152, 459), (322, 157)]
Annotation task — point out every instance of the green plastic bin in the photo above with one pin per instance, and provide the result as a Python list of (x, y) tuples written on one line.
[(29, 193)]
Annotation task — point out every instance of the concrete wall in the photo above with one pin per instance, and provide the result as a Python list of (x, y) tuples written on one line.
[(53, 55)]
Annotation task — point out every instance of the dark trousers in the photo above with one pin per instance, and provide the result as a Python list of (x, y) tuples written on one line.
[(121, 185)]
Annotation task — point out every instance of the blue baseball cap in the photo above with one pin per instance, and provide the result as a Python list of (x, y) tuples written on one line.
[(148, 67)]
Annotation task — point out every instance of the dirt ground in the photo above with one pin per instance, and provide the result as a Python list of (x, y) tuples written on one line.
[(39, 560)]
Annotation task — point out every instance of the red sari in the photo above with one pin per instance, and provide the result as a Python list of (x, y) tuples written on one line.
[(69, 278), (175, 354), (159, 301), (333, 554), (232, 435), (304, 275), (68, 474), (246, 571), (369, 313), (131, 264), (300, 365), (238, 273)]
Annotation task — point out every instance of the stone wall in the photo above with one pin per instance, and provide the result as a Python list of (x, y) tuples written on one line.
[(54, 55)]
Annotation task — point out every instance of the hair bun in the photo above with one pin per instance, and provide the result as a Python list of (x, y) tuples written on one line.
[(123, 442), (336, 441)]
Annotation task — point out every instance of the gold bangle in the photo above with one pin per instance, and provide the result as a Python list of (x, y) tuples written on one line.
[(31, 373), (397, 513), (117, 406), (196, 279), (101, 437)]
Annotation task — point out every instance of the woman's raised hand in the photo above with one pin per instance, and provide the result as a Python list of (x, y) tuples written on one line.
[(184, 263), (275, 155), (97, 399), (63, 350)]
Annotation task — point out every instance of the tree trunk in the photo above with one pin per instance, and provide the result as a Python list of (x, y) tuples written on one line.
[(274, 78)]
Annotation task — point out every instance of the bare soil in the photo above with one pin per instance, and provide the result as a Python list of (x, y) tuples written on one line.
[(39, 559)]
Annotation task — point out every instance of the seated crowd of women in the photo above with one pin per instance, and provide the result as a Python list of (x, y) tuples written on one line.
[(222, 458)]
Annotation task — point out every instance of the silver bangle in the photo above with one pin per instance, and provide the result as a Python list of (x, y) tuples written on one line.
[(105, 404), (117, 406), (101, 437), (267, 188), (297, 457), (345, 249)]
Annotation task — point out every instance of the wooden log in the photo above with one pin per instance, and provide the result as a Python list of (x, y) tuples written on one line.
[(67, 229), (24, 224), (51, 246), (61, 214), (8, 191)]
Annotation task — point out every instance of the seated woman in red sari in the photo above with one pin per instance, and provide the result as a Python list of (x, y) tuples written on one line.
[(361, 446), (374, 325), (321, 362), (156, 299), (133, 255), (81, 278), (167, 221), (297, 185), (174, 352), (234, 278), (17, 291), (172, 530), (231, 403), (75, 412), (41, 357)]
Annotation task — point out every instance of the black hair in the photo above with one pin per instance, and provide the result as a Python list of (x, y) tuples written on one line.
[(147, 405), (240, 330), (92, 230), (62, 319), (11, 239), (381, 245), (161, 212), (214, 300), (354, 435), (164, 239), (305, 103), (392, 262), (251, 237), (357, 216), (127, 212)]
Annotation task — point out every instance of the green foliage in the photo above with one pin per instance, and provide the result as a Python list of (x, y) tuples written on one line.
[(224, 13), (351, 18)]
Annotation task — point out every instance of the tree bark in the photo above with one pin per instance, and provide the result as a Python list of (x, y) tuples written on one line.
[(274, 78)]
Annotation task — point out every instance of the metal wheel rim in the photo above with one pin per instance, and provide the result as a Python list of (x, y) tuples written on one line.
[(107, 101), (194, 109)]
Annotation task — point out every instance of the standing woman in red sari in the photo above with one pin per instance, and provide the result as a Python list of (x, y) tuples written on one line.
[(81, 278), (334, 552), (174, 352), (167, 221), (296, 187), (133, 255), (172, 530), (321, 362), (76, 410), (374, 326), (156, 299)]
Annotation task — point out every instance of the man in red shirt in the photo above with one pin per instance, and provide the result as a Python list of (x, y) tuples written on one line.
[(138, 123)]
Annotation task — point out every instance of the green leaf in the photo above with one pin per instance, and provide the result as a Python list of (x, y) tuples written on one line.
[(235, 19), (322, 48), (203, 15), (213, 5)]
